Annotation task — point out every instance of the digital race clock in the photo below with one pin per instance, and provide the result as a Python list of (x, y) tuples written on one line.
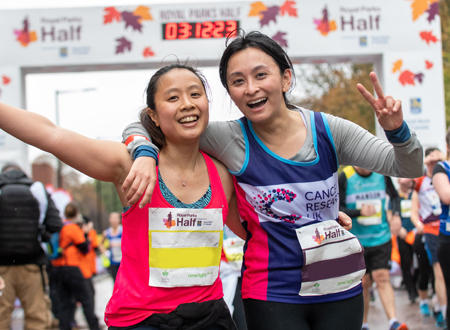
[(198, 30)]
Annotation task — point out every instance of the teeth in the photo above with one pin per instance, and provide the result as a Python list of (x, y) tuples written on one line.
[(188, 119), (257, 101)]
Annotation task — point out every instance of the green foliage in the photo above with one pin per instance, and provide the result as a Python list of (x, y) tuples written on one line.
[(331, 88), (444, 12)]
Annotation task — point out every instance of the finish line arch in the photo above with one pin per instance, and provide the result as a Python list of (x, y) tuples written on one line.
[(403, 42)]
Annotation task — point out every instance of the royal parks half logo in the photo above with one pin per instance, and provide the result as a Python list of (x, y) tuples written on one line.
[(25, 36)]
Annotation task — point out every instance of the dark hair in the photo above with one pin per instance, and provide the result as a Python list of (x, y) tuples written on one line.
[(10, 166), (260, 41), (430, 150), (155, 132), (71, 210)]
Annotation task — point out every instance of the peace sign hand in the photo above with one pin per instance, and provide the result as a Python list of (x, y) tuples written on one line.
[(387, 109)]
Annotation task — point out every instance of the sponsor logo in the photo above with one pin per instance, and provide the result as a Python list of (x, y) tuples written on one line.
[(415, 105)]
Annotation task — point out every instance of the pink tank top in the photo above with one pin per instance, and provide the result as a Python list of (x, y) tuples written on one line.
[(133, 299)]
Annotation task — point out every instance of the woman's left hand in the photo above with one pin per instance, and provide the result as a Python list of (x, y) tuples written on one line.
[(344, 220), (388, 110)]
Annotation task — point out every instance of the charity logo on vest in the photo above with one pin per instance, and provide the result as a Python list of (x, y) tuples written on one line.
[(184, 220), (265, 200)]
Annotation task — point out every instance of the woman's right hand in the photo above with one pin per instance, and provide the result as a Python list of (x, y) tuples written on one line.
[(140, 181)]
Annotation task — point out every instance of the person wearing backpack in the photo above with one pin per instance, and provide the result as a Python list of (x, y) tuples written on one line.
[(28, 216)]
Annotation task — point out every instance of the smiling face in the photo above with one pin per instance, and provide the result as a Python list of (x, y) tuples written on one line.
[(181, 106), (256, 85)]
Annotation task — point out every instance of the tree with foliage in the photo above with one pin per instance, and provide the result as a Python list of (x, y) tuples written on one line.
[(444, 12), (331, 88)]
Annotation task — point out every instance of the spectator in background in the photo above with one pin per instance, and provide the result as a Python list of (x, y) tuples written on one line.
[(114, 236), (27, 217)]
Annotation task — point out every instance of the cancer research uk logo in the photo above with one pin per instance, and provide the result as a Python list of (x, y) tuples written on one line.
[(24, 36), (265, 200)]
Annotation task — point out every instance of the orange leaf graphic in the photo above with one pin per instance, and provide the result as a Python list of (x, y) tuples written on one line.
[(256, 8), (428, 64), (6, 80), (112, 14), (406, 78), (148, 52), (397, 66), (144, 13), (288, 8), (428, 36), (332, 25), (418, 8)]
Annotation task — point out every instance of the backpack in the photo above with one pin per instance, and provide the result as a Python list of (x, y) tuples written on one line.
[(54, 249), (20, 218)]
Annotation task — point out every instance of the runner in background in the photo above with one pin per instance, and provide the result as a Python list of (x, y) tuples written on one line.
[(441, 183), (363, 195), (405, 236), (112, 237), (426, 210)]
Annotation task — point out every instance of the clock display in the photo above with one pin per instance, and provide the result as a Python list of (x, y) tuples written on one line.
[(198, 30)]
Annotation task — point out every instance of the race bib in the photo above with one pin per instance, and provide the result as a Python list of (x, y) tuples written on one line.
[(435, 202), (184, 246), (333, 259), (372, 219), (405, 208)]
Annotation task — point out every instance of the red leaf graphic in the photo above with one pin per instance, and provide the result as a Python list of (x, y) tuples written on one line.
[(111, 15), (288, 8), (280, 38), (428, 36), (406, 78), (123, 44), (432, 11), (268, 15), (6, 80), (428, 64), (148, 52), (132, 20), (419, 77)]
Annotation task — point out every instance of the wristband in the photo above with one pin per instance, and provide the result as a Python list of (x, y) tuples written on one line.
[(399, 135), (145, 151)]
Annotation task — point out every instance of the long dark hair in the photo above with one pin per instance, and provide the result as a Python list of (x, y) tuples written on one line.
[(260, 41), (155, 132)]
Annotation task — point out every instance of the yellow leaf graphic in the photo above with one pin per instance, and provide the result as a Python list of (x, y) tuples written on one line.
[(397, 66), (418, 8), (256, 8), (144, 13)]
